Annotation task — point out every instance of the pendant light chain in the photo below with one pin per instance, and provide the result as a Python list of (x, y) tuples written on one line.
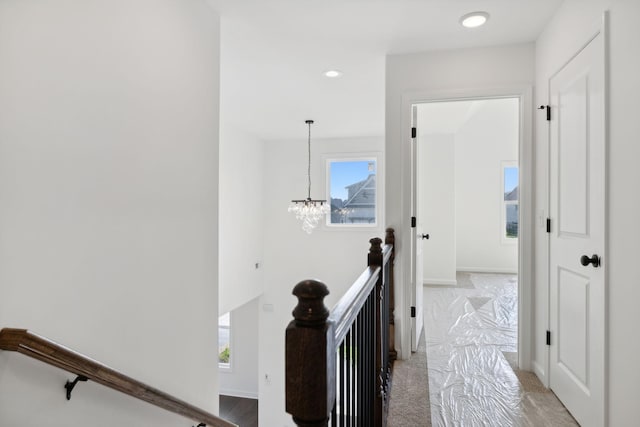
[(309, 122)]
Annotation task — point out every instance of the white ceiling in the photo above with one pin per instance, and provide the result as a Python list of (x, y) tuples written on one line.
[(274, 52)]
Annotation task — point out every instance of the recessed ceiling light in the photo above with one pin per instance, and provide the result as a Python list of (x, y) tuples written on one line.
[(333, 73), (474, 19)]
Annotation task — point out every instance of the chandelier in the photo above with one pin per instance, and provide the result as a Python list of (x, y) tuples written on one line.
[(308, 210)]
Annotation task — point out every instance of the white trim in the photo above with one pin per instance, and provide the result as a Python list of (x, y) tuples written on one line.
[(417, 322), (525, 242), (538, 369), (605, 34), (487, 270), (439, 282), (239, 393), (225, 368)]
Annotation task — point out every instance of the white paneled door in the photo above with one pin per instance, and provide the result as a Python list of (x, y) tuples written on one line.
[(577, 241)]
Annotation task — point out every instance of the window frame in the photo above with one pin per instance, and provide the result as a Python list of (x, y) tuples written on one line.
[(506, 164), (226, 367), (379, 198)]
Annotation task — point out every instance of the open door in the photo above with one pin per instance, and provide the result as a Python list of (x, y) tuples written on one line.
[(416, 243)]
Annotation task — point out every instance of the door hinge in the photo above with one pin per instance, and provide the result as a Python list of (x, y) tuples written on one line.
[(548, 225), (548, 337), (413, 311), (413, 222), (548, 108), (414, 132)]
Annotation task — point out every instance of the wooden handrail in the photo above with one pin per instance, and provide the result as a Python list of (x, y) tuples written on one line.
[(347, 308), (49, 352)]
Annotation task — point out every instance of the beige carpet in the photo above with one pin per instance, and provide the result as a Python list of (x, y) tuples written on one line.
[(409, 402)]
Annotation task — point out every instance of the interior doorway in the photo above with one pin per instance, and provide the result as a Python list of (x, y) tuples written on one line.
[(466, 156), (407, 291), (467, 186)]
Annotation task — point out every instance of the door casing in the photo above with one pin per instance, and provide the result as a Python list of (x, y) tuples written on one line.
[(417, 321), (525, 240)]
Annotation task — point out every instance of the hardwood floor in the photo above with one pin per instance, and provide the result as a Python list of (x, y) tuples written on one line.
[(239, 410)]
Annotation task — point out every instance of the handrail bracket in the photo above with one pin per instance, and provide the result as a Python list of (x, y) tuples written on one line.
[(71, 384)]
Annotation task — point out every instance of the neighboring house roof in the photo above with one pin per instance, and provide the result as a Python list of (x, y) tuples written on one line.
[(362, 193), (512, 195), (337, 203)]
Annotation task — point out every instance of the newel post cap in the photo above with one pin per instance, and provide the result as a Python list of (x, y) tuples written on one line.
[(375, 252), (310, 310)]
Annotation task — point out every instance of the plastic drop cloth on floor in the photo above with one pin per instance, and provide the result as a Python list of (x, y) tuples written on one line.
[(471, 329)]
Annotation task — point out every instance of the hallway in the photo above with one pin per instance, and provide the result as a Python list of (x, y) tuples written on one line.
[(471, 344)]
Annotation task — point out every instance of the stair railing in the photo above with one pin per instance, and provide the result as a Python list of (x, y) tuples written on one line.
[(52, 353), (338, 363)]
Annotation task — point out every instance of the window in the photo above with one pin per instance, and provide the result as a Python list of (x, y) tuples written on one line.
[(353, 192), (224, 341), (510, 209)]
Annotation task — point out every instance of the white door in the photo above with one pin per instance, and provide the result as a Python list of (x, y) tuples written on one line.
[(416, 247), (577, 207)]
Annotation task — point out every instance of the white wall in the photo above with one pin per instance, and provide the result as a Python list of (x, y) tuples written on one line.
[(242, 379), (336, 257), (460, 193), (437, 210), (241, 228), (425, 76), (482, 144), (568, 31), (108, 189)]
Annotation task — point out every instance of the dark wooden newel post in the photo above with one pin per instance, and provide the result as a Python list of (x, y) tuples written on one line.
[(375, 259), (390, 239), (310, 358)]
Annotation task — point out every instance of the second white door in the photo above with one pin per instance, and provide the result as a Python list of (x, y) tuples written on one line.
[(577, 241)]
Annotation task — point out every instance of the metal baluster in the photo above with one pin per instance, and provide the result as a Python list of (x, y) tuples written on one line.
[(347, 399), (365, 363), (370, 368), (372, 360), (354, 379), (361, 350)]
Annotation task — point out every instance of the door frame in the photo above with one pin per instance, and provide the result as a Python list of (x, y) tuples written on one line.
[(525, 239), (417, 321)]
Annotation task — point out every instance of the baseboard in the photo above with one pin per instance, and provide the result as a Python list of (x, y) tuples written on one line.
[(539, 371), (239, 393), (487, 270), (440, 282)]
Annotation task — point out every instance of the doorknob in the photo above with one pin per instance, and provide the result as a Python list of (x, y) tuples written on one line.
[(425, 236), (595, 260)]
